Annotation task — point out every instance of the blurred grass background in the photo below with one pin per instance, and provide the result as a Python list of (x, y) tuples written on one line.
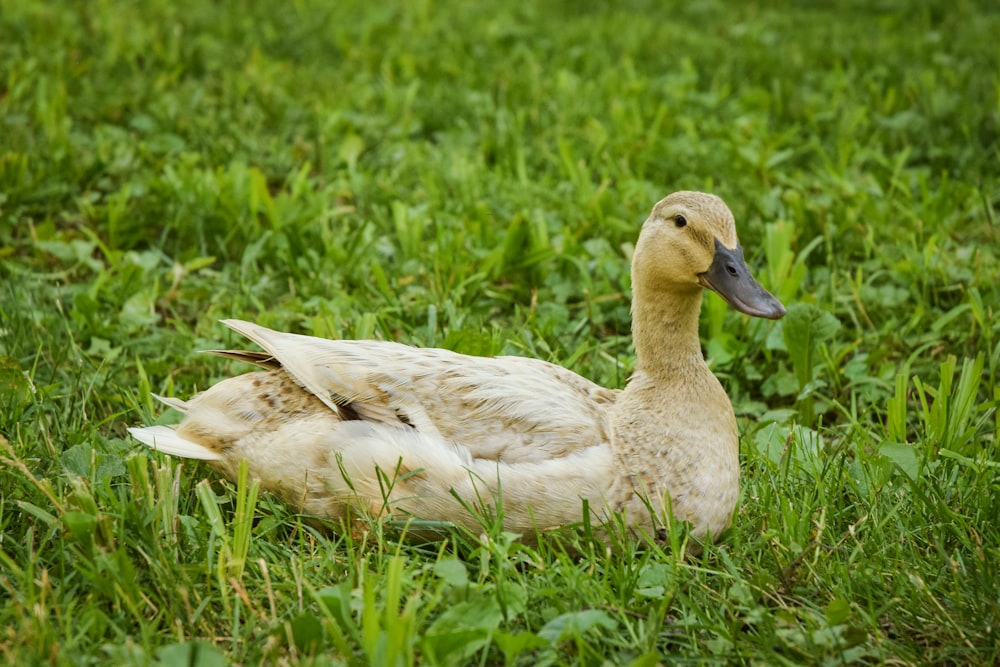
[(454, 174)]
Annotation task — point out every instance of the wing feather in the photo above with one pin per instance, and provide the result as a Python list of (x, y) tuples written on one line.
[(503, 408)]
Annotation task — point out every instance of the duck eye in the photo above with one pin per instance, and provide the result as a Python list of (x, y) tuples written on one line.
[(680, 220)]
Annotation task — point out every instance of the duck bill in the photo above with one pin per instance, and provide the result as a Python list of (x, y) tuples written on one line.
[(730, 278)]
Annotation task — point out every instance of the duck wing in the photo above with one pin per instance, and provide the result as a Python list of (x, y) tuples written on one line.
[(507, 409)]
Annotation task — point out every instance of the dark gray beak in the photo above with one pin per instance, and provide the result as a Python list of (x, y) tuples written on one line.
[(730, 278)]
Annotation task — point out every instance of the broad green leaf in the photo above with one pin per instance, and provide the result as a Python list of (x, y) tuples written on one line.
[(462, 630), (837, 611), (513, 645), (903, 455), (452, 571), (194, 653), (307, 631), (574, 625), (77, 460), (805, 327), (138, 311)]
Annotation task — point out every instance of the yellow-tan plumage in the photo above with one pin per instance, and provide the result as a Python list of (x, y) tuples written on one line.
[(324, 416)]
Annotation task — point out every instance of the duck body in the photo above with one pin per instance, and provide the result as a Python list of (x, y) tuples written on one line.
[(381, 427)]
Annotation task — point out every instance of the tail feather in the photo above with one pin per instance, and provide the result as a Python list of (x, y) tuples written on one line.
[(255, 332), (165, 439), (262, 359), (171, 402)]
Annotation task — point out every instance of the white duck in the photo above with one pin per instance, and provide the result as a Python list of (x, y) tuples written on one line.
[(387, 428)]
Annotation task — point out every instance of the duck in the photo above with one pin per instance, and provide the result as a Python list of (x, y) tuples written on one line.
[(341, 427)]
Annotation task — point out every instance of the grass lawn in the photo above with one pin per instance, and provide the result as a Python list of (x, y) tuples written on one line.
[(473, 177)]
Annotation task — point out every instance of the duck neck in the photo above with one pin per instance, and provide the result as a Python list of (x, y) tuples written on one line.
[(665, 332)]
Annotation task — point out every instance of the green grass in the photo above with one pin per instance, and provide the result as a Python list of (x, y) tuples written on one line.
[(471, 177)]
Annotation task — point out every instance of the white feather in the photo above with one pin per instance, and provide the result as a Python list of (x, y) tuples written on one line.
[(175, 403), (165, 439)]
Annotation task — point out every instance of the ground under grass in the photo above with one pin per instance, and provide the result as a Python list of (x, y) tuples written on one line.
[(470, 176)]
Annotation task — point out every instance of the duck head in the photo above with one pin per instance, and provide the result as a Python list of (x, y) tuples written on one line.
[(689, 242)]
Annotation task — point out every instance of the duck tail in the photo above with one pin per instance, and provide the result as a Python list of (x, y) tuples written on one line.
[(165, 439), (171, 402)]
